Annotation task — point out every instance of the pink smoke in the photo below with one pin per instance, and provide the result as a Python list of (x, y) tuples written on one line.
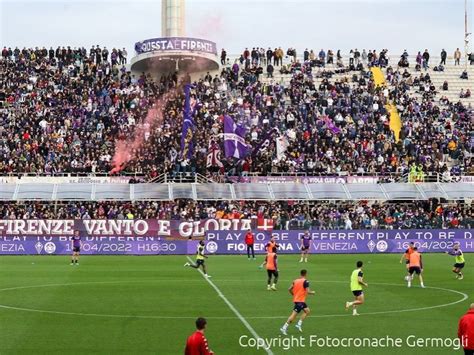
[(126, 150), (210, 26)]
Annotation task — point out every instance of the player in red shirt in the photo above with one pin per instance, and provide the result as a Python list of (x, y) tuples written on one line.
[(197, 342), (466, 331), (249, 241)]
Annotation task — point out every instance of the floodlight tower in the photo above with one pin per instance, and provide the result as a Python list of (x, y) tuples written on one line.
[(172, 18), (173, 51)]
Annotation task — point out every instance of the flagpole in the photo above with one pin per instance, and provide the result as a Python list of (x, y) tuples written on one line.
[(466, 36)]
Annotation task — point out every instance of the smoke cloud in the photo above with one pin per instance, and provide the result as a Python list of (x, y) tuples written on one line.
[(126, 150)]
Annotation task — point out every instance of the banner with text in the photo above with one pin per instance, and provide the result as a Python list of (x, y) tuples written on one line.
[(304, 179), (121, 227), (232, 242), (345, 241), (168, 44)]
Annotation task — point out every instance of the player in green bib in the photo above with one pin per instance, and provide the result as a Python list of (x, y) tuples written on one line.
[(459, 261), (357, 281)]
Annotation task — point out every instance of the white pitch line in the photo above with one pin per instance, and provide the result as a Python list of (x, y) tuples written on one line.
[(465, 296), (231, 306)]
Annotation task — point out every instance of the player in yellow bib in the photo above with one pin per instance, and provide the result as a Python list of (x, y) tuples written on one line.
[(357, 282), (200, 257), (459, 261)]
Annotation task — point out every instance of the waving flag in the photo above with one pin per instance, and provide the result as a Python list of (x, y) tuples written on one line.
[(234, 141), (330, 125), (187, 145), (281, 145), (265, 142), (214, 156), (265, 224)]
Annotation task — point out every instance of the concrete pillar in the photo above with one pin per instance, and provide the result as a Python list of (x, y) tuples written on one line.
[(172, 18)]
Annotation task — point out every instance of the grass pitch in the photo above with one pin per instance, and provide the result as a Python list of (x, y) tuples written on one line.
[(147, 305)]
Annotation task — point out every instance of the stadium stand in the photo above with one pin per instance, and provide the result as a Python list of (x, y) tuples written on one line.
[(63, 111), (286, 215)]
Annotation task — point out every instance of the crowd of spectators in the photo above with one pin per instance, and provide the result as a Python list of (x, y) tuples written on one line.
[(286, 215), (64, 110), (342, 125)]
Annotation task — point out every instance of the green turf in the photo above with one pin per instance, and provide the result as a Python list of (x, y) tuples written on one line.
[(141, 287)]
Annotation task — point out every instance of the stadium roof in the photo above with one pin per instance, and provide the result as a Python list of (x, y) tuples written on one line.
[(243, 191)]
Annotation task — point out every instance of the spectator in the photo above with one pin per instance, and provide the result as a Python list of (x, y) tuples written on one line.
[(306, 55), (322, 55), (269, 55), (246, 54), (443, 57), (347, 223), (291, 52), (330, 57), (419, 59), (351, 58), (223, 56), (262, 57), (278, 56), (270, 70), (105, 54), (426, 59), (364, 56), (457, 57), (124, 57), (356, 57), (465, 94)]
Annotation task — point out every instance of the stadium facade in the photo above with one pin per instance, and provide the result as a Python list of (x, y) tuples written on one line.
[(174, 52)]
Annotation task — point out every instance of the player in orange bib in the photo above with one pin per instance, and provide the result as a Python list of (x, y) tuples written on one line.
[(406, 256), (299, 290), (272, 270), (271, 246), (415, 267)]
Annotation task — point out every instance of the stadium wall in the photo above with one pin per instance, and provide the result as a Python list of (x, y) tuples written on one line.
[(154, 237)]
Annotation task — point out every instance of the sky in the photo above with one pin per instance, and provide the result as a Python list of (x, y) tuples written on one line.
[(330, 24)]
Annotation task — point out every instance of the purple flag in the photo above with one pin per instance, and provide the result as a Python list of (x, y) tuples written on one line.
[(187, 145), (265, 142), (234, 139), (330, 124)]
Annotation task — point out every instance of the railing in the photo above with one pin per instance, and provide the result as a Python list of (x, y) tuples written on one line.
[(160, 179), (275, 177), (72, 174), (376, 177), (181, 178), (252, 191)]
